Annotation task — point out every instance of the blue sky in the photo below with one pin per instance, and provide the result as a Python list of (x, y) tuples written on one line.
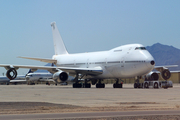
[(85, 25)]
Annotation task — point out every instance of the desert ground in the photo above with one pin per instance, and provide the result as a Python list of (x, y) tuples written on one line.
[(32, 99)]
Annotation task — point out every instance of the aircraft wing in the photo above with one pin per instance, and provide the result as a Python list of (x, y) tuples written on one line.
[(160, 68), (89, 71), (15, 81), (45, 80), (40, 59), (33, 68)]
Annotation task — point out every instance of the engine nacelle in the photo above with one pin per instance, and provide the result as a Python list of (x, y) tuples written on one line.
[(60, 76), (166, 74), (11, 74), (152, 76)]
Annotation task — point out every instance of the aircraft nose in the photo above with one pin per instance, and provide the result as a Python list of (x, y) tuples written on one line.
[(150, 62)]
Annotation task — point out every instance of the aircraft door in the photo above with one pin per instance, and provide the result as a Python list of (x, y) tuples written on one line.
[(124, 58), (129, 50)]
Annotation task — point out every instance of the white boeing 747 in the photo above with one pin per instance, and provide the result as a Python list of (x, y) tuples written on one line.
[(127, 61)]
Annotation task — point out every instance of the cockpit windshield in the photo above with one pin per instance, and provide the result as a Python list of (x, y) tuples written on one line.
[(140, 48)]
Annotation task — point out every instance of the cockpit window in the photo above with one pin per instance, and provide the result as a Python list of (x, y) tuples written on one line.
[(140, 48)]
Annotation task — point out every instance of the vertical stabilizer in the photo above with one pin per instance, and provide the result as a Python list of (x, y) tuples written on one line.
[(59, 46)]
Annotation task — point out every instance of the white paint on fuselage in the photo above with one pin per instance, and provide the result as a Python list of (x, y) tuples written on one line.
[(121, 62)]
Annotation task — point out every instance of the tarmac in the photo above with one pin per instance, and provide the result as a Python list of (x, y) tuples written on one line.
[(30, 99)]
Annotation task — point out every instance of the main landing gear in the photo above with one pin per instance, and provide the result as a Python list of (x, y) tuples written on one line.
[(79, 85), (117, 85), (99, 84), (86, 84), (137, 84)]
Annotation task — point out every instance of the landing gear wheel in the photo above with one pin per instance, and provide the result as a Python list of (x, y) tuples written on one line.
[(100, 85), (77, 85), (117, 85), (135, 85), (146, 85), (87, 85), (156, 85)]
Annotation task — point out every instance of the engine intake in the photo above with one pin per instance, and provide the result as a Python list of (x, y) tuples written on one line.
[(11, 74), (152, 76), (166, 74), (63, 76)]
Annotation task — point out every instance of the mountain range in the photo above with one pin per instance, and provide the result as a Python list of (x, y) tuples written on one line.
[(165, 55)]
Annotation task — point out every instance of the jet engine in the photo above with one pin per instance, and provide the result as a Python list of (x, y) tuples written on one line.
[(165, 74), (11, 74), (60, 76), (152, 76)]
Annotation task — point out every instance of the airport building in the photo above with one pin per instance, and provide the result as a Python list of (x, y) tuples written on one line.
[(175, 76)]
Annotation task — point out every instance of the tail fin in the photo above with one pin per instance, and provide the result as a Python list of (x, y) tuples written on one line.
[(30, 71), (59, 46)]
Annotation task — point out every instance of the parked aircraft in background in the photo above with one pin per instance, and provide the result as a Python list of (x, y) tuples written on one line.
[(31, 78), (127, 61), (18, 79)]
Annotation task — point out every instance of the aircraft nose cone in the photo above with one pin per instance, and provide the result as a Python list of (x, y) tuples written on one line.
[(152, 62)]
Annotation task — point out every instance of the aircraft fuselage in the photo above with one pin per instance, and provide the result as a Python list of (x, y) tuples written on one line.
[(122, 62)]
